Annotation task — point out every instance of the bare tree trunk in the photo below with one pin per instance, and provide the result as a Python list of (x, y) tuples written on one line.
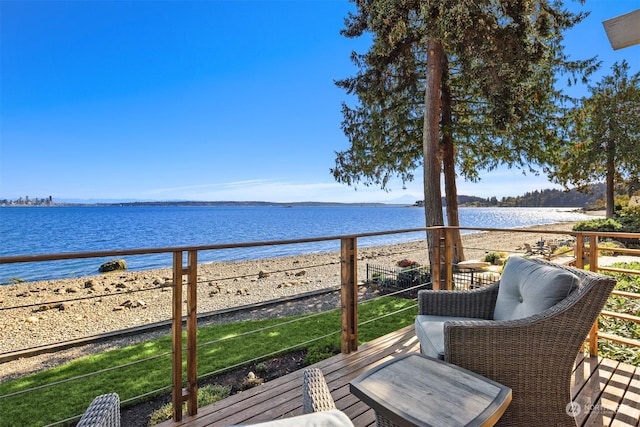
[(449, 168), (611, 173), (431, 146)]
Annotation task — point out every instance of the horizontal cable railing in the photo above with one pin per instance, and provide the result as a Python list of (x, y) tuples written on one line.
[(185, 282), (199, 282)]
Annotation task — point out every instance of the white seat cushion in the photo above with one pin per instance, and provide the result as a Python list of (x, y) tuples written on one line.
[(332, 418), (430, 333)]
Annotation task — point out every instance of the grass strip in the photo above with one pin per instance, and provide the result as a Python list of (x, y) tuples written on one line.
[(231, 346)]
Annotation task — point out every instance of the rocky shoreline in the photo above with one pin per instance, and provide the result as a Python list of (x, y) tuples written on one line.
[(53, 311)]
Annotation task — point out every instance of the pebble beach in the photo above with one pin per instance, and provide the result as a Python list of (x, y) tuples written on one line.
[(53, 311)]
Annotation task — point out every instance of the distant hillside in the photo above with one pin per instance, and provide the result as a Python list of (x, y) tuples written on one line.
[(541, 199), (537, 199)]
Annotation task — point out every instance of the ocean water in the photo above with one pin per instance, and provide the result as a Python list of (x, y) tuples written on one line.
[(51, 230)]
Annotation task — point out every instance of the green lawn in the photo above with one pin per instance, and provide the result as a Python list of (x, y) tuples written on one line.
[(228, 345)]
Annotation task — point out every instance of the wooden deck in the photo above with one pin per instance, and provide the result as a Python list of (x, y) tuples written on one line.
[(608, 390)]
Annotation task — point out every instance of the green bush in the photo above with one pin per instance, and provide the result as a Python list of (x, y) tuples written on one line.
[(206, 396), (613, 245), (320, 351), (493, 257), (629, 219), (600, 224)]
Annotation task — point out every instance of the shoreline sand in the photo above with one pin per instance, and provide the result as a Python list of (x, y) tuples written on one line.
[(119, 300)]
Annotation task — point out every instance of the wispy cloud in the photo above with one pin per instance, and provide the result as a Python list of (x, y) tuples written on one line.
[(275, 191)]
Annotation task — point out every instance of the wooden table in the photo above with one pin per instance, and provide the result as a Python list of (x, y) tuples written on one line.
[(414, 390), (472, 266)]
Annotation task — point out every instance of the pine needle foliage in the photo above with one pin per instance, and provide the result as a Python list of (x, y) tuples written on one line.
[(501, 62)]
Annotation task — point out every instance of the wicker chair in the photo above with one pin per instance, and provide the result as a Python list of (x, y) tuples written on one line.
[(104, 411), (534, 355)]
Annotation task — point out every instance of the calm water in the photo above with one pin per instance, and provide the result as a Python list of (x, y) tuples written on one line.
[(82, 229)]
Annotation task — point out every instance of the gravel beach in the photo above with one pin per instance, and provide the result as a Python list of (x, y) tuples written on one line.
[(58, 310)]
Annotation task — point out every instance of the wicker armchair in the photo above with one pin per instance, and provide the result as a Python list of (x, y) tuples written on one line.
[(104, 411), (534, 355)]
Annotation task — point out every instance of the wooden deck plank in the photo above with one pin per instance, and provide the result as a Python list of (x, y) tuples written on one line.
[(592, 390), (595, 381), (584, 369), (604, 411), (262, 405), (234, 410)]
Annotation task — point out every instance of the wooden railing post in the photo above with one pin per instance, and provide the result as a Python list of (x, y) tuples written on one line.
[(593, 253), (349, 294), (176, 334), (448, 258), (192, 331), (190, 393), (579, 250), (436, 278), (593, 260), (593, 266)]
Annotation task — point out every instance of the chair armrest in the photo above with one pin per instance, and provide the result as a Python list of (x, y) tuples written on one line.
[(318, 406), (500, 349), (478, 303), (316, 396), (104, 411)]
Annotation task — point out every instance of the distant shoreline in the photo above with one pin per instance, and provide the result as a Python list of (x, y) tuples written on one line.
[(278, 204), (601, 213), (202, 203)]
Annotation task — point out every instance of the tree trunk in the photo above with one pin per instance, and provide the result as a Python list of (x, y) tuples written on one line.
[(449, 168), (431, 146), (611, 173)]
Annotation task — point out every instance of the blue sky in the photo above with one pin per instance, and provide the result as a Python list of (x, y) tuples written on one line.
[(200, 100)]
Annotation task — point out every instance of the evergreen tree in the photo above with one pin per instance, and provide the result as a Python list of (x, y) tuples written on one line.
[(606, 132), (446, 83)]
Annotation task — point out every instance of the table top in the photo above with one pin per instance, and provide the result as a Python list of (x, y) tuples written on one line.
[(473, 264), (414, 390)]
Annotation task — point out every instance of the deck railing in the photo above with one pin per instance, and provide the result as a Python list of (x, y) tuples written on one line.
[(185, 280)]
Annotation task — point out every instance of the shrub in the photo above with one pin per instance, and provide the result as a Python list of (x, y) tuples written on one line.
[(627, 221), (493, 257), (407, 263), (320, 351), (629, 218), (611, 244), (600, 224), (206, 396)]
